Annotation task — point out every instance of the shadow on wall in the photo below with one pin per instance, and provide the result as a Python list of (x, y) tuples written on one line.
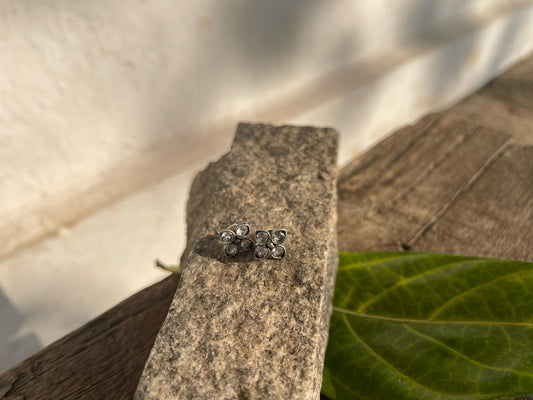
[(13, 348), (445, 70), (261, 41), (257, 49), (461, 57)]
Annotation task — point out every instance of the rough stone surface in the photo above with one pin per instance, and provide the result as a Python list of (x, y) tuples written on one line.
[(246, 328)]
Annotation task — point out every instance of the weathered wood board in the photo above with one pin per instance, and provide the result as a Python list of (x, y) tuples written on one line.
[(103, 359)]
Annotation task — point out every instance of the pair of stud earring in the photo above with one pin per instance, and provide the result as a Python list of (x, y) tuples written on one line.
[(268, 243)]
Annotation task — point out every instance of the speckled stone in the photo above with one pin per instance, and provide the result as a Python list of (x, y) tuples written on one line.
[(246, 328)]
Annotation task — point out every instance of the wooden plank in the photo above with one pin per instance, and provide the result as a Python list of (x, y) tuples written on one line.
[(489, 111), (101, 360), (494, 218), (370, 181), (388, 208)]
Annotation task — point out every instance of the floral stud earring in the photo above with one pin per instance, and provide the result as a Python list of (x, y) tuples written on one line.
[(235, 239), (269, 243)]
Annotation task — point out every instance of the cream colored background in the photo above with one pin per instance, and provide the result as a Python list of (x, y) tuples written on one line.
[(107, 109)]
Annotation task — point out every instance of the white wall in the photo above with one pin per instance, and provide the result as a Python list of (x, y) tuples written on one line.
[(107, 108), (95, 93)]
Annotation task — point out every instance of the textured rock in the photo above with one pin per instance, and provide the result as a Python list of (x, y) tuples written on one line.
[(241, 327)]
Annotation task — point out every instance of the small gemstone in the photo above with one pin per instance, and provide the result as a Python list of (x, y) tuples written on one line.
[(278, 252), (231, 250), (261, 252), (227, 237), (278, 237), (247, 244), (242, 231), (262, 236)]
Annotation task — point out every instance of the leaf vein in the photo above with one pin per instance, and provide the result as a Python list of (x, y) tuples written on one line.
[(403, 282), (380, 358), (426, 321), (458, 353), (472, 290)]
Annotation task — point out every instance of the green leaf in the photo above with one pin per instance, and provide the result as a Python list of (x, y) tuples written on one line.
[(430, 326), (327, 386)]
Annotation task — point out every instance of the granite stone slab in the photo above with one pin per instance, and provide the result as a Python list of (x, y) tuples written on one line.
[(246, 328)]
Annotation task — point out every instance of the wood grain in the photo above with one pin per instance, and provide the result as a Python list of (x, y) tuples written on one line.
[(494, 216), (389, 203), (459, 181)]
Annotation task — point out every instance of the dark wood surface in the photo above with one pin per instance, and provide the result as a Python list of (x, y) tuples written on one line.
[(441, 185), (459, 181), (101, 360)]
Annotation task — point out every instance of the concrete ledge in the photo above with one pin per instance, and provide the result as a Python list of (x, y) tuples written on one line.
[(245, 328)]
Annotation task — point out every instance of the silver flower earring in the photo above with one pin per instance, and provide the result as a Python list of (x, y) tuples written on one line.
[(235, 239), (269, 243)]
